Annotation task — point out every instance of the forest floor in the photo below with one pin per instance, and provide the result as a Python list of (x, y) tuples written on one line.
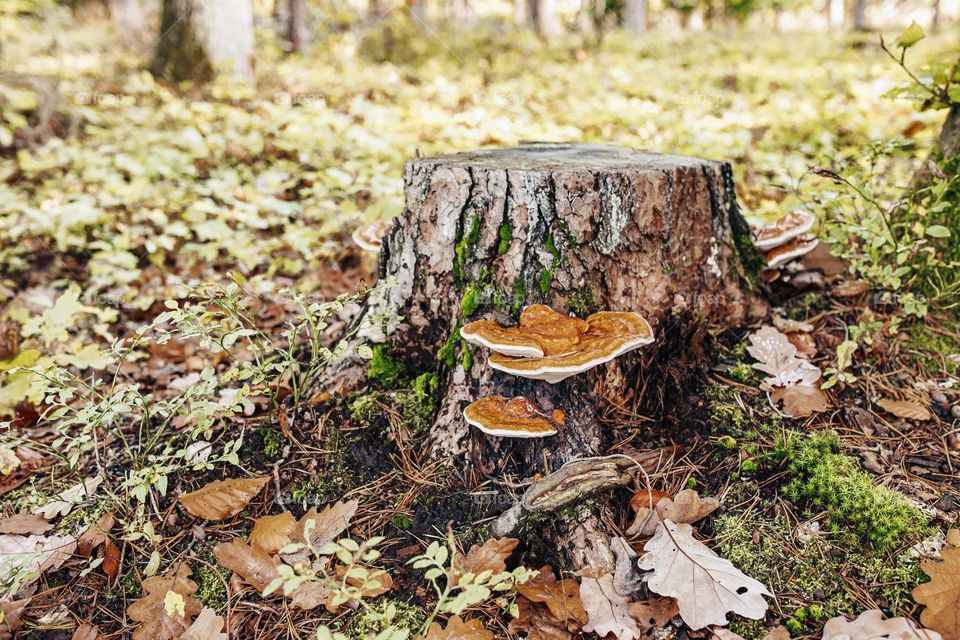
[(167, 257)]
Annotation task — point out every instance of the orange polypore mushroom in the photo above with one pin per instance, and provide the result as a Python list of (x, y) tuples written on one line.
[(542, 331), (794, 224), (609, 334), (791, 250), (512, 417), (369, 237)]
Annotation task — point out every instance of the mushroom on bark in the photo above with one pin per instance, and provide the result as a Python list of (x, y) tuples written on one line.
[(518, 417), (609, 334), (369, 237), (794, 224), (781, 255), (542, 331)]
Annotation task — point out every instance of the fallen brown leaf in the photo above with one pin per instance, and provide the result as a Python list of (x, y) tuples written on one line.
[(941, 596), (777, 357), (149, 611), (850, 289), (870, 625), (905, 409), (536, 622), (653, 614), (222, 499), (251, 563), (64, 502), (457, 629), (12, 616), (207, 626), (801, 401), (687, 507), (561, 597), (25, 523), (111, 560), (30, 461), (705, 585), (329, 523), (805, 344), (607, 610), (490, 556), (953, 537), (86, 631), (647, 498), (34, 554), (379, 582), (272, 533), (95, 535)]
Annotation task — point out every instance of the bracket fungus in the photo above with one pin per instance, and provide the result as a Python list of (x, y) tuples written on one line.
[(542, 331), (518, 417), (794, 224), (781, 255), (369, 237), (608, 334)]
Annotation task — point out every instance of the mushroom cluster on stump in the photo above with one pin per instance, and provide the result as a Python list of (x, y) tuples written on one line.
[(784, 241), (580, 228)]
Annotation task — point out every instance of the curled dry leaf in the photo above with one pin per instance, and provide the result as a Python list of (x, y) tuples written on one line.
[(25, 523), (536, 622), (941, 596), (801, 400), (626, 577), (155, 622), (805, 344), (272, 533), (329, 523), (653, 614), (777, 357), (687, 507), (870, 625), (64, 502), (95, 535), (561, 597), (647, 498), (222, 499), (490, 556), (457, 629), (788, 326), (607, 610), (253, 564), (33, 554), (207, 626), (905, 409), (12, 611), (705, 585)]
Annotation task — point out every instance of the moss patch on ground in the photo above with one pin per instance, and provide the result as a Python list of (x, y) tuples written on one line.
[(858, 512)]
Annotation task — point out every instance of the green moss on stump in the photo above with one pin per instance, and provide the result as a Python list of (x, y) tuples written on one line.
[(384, 369)]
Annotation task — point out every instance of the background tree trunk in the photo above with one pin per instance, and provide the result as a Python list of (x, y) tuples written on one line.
[(129, 18), (635, 16), (545, 19), (860, 15), (299, 31), (199, 38), (579, 227)]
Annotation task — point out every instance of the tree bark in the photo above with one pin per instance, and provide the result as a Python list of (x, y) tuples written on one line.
[(579, 227), (860, 15), (545, 19), (635, 16), (299, 32), (200, 38)]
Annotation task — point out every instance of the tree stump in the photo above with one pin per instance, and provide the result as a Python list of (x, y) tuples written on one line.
[(579, 227)]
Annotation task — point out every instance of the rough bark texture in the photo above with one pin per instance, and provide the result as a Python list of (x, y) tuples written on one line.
[(579, 227), (199, 38)]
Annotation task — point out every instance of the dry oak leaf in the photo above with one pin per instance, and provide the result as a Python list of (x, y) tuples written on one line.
[(272, 533), (86, 631), (34, 554), (490, 556), (607, 610), (653, 614), (686, 507), (905, 409), (870, 625), (457, 629), (537, 623), (95, 535), (66, 500), (705, 585), (801, 400), (150, 612), (12, 611), (25, 523), (561, 597), (805, 344), (646, 498), (207, 626), (777, 357), (327, 527), (941, 596), (253, 564), (222, 499)]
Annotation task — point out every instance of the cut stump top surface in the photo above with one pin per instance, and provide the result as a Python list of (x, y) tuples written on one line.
[(546, 156)]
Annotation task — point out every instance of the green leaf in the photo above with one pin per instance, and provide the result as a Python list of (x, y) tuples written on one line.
[(911, 36), (938, 231)]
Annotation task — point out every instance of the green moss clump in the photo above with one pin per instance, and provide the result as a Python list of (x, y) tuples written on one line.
[(931, 348), (382, 368), (546, 277), (211, 581), (726, 413), (273, 441), (580, 301), (370, 621), (824, 479), (519, 296), (506, 235), (448, 352), (464, 247), (815, 579), (470, 301)]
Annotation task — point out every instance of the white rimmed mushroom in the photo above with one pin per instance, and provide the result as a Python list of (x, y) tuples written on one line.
[(518, 417), (609, 334), (369, 237), (794, 224), (542, 331), (791, 250)]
